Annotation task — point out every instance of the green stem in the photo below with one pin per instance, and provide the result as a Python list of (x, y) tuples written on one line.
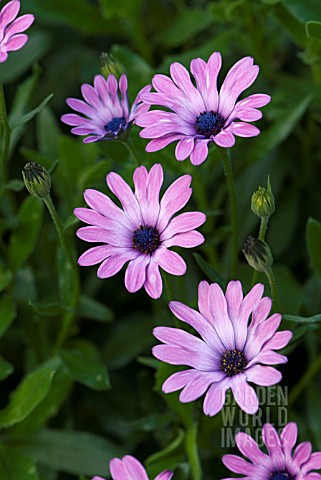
[(129, 144), (262, 233), (6, 139), (233, 206), (68, 317), (274, 289), (305, 380), (192, 451)]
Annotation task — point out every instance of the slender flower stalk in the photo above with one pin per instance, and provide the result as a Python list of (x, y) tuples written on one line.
[(5, 140), (227, 165), (280, 463), (38, 182)]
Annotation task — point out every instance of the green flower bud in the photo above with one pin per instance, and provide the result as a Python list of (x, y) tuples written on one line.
[(37, 179), (262, 202), (257, 254), (109, 64)]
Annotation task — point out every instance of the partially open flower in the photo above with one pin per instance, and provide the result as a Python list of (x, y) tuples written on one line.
[(104, 115)]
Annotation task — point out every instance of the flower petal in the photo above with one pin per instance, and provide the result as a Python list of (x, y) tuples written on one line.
[(175, 198), (125, 195), (170, 261), (245, 396), (184, 148), (215, 397), (153, 283), (113, 264), (183, 223), (262, 375), (200, 152), (187, 240), (136, 273)]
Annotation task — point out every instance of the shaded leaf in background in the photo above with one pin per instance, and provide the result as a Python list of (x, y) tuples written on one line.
[(72, 452), (24, 238), (14, 466), (7, 313), (313, 240)]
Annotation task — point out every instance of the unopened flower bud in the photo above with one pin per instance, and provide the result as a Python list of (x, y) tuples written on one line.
[(109, 64), (37, 179), (262, 202), (257, 254)]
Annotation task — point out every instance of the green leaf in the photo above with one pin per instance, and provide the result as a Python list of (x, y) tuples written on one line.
[(299, 319), (29, 116), (49, 309), (209, 271), (151, 423), (5, 277), (168, 458), (47, 144), (191, 22), (48, 408), (5, 369), (15, 185), (75, 452), (313, 29), (7, 313), (313, 239), (14, 466), (29, 393), (94, 310), (23, 240), (86, 369), (21, 60), (127, 339), (304, 11)]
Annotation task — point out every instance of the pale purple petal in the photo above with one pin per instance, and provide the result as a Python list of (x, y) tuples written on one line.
[(153, 283), (302, 453), (248, 304), (119, 236), (183, 223), (16, 42), (181, 356), (184, 148), (153, 186), (96, 255), (125, 195), (234, 297), (19, 25), (136, 273), (104, 205), (262, 375), (245, 396), (8, 14), (273, 444), (288, 437), (192, 96), (212, 70), (115, 263), (166, 475), (249, 448), (279, 340), (175, 198), (196, 388), (187, 240), (219, 316), (159, 143), (215, 397), (243, 129), (238, 464), (224, 139), (170, 261), (200, 152), (314, 463)]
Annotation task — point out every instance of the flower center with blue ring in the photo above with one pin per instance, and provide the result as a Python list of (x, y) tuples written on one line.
[(115, 124), (209, 123), (280, 476), (232, 363), (146, 239)]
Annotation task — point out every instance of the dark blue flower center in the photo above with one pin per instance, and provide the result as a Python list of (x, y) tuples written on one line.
[(209, 123), (280, 476), (115, 124), (146, 239), (233, 362)]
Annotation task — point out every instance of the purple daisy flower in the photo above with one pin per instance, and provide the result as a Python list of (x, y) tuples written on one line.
[(129, 468), (200, 114), (142, 232), (105, 114), (232, 350), (11, 27), (279, 464)]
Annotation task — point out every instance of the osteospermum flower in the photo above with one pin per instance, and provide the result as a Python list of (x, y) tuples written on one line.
[(129, 468), (104, 114), (200, 114), (233, 350), (280, 463), (142, 232), (11, 27)]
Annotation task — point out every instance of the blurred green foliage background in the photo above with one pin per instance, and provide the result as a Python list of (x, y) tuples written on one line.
[(68, 405)]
